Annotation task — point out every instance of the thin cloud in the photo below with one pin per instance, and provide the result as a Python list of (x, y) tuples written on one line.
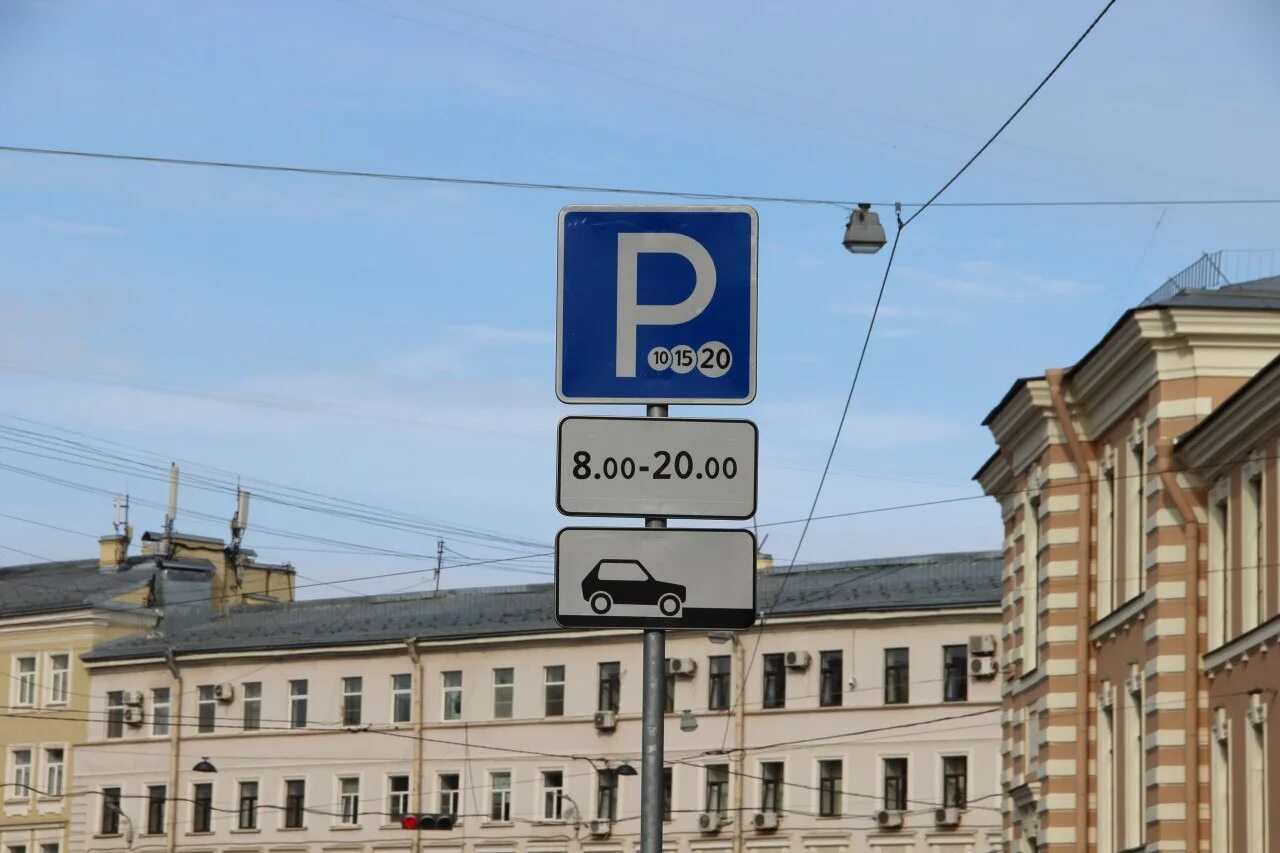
[(75, 229)]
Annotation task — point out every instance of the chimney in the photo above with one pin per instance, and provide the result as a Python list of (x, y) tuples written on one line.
[(764, 562), (112, 550)]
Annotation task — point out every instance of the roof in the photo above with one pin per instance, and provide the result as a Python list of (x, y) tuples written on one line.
[(1260, 295), (968, 579), (69, 585)]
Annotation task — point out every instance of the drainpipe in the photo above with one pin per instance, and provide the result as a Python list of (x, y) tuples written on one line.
[(418, 776), (1082, 457), (1191, 633), (739, 743), (175, 749)]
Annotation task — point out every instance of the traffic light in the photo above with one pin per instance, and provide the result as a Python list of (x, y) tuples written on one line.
[(427, 821)]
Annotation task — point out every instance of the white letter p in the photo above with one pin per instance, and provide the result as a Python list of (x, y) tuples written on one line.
[(632, 315)]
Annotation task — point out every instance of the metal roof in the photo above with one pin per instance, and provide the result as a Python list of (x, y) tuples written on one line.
[(70, 585), (969, 579)]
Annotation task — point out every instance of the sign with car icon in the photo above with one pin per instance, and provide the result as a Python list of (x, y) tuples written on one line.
[(609, 577)]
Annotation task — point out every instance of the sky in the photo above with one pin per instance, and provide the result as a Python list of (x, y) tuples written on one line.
[(391, 344)]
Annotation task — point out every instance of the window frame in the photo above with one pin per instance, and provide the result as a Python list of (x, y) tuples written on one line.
[(110, 810), (607, 794), (450, 692), (499, 805), (551, 812), (48, 790), (453, 795), (348, 801), (201, 810), (769, 786), (897, 677), (397, 799), (161, 725), (299, 695), (15, 789), (206, 700), (25, 683), (294, 813), (902, 800), (503, 702), (399, 694), (251, 701), (719, 680), (352, 701), (115, 714), (946, 798), (831, 695), (548, 687), (609, 686), (830, 788), (773, 685), (254, 805), (715, 790), (59, 693), (157, 808), (950, 676)]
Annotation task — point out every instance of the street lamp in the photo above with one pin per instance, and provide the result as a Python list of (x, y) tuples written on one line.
[(204, 766), (864, 235), (624, 770)]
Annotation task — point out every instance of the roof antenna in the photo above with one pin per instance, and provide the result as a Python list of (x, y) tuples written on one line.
[(240, 521), (172, 513), (439, 562)]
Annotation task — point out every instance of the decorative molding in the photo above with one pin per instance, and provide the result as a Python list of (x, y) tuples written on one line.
[(1256, 638), (1117, 618)]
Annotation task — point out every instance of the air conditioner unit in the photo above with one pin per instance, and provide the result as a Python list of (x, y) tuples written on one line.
[(797, 660), (606, 721), (947, 817), (889, 820), (710, 822), (1133, 685), (983, 667), (224, 692), (133, 716), (133, 697), (599, 827), (982, 644), (682, 666), (765, 820)]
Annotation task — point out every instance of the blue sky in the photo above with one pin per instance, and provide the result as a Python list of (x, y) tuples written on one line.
[(392, 343)]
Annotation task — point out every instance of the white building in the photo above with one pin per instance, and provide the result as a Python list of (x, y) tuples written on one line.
[(862, 727)]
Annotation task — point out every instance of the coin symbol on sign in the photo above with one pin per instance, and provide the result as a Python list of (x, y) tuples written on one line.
[(683, 358), (659, 358)]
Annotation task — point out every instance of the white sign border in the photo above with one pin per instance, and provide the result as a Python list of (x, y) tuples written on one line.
[(658, 208)]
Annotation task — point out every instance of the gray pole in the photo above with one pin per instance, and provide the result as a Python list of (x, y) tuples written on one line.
[(653, 717)]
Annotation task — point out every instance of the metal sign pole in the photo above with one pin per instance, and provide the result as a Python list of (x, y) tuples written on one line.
[(653, 717)]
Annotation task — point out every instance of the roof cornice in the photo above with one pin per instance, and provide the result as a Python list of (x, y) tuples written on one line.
[(1024, 426), (1235, 426)]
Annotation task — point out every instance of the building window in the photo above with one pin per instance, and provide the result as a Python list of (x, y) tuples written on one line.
[(1136, 551), (352, 700), (669, 688), (895, 784), (247, 812), (206, 708), (59, 679), (775, 681), (720, 670), (21, 772), (449, 793), (500, 797), (1106, 542), (1253, 587), (160, 711), (1220, 780), (504, 688), (666, 793), (398, 797), (349, 799), (955, 781), (26, 681), (897, 676), (295, 803), (402, 698), (155, 809), (607, 794), (202, 807), (552, 794), (771, 782), (49, 847), (955, 673), (252, 706), (1219, 576), (55, 765), (553, 691), (115, 713), (452, 694), (1106, 769), (831, 679), (716, 800), (109, 823), (830, 787), (610, 676), (298, 703)]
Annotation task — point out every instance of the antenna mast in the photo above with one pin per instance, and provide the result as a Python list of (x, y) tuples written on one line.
[(439, 561)]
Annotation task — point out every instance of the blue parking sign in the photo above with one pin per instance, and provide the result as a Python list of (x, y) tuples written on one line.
[(656, 305)]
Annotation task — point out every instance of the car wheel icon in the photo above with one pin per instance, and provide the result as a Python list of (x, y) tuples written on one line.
[(669, 605), (601, 602)]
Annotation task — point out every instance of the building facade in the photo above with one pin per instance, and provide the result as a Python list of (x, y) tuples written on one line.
[(53, 613), (849, 721), (1133, 606)]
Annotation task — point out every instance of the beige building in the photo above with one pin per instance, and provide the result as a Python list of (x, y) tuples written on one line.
[(860, 728), (51, 614), (1138, 492)]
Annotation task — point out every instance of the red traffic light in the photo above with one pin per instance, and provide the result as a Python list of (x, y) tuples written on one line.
[(409, 821)]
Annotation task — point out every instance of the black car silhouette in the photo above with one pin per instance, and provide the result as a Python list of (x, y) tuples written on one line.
[(629, 582)]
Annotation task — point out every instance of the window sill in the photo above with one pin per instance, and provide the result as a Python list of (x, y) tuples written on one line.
[(192, 832), (345, 827), (248, 831), (106, 835), (497, 823), (292, 829)]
